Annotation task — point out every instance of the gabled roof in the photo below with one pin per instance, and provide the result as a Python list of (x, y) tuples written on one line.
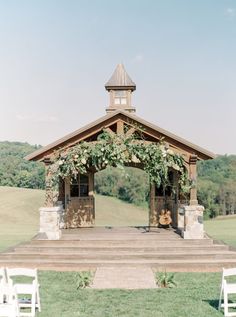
[(120, 79), (98, 125)]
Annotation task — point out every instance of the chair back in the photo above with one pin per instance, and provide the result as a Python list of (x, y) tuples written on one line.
[(3, 283), (14, 272), (3, 278), (229, 272)]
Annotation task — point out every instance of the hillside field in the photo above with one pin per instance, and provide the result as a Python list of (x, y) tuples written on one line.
[(19, 216), (222, 228)]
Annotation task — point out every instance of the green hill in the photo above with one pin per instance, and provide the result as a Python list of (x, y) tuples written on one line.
[(222, 228), (216, 179), (111, 211), (19, 216)]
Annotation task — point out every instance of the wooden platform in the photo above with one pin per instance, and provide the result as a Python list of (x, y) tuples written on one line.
[(90, 248)]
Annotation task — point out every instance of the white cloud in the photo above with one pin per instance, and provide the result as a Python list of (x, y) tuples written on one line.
[(230, 12), (23, 117), (138, 58), (48, 119), (34, 118)]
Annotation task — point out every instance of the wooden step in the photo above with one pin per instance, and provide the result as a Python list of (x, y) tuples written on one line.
[(118, 256), (120, 243), (174, 266), (79, 249), (88, 249)]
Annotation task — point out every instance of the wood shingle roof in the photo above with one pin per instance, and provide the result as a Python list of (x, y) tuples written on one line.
[(120, 79)]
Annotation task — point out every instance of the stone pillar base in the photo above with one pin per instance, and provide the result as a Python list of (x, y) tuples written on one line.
[(193, 222), (50, 222)]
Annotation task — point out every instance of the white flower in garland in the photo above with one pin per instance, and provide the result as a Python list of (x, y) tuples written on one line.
[(134, 159), (83, 161), (169, 151), (154, 157), (176, 167), (163, 153)]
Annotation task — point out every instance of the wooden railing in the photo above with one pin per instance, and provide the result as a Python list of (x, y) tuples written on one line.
[(80, 212)]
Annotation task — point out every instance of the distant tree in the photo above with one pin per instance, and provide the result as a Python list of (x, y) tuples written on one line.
[(15, 170), (130, 185), (216, 179), (217, 185)]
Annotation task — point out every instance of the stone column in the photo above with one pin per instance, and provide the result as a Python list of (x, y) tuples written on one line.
[(50, 215), (193, 222), (193, 177), (50, 222), (153, 220)]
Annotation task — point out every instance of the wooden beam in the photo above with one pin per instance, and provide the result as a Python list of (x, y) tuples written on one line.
[(120, 127), (130, 131), (109, 131)]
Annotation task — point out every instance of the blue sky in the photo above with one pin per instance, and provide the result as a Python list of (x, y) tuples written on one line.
[(55, 57)]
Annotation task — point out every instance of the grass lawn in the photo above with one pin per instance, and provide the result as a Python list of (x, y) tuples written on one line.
[(222, 228), (196, 295), (19, 215), (111, 211)]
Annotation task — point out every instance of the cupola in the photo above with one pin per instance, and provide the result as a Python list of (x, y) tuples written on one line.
[(120, 87)]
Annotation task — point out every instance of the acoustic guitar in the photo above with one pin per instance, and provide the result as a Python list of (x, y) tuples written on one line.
[(165, 218)]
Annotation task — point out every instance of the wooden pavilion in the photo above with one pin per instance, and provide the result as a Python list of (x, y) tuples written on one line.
[(75, 204)]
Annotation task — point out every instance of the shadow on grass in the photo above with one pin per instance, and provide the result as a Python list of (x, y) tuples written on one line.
[(215, 304), (212, 302)]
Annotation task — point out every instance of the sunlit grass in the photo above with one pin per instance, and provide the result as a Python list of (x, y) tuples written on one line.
[(196, 295), (222, 228), (19, 214)]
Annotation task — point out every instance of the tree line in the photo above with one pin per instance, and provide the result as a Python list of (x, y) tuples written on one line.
[(15, 170), (216, 179), (217, 185)]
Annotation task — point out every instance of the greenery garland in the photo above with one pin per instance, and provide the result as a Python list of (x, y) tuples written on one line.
[(119, 151)]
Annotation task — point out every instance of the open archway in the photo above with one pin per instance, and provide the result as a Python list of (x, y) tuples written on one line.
[(121, 197)]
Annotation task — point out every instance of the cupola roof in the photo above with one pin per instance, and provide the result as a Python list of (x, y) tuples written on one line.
[(120, 80)]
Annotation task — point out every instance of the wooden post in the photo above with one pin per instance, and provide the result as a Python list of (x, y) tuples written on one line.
[(111, 98), (193, 178), (91, 184), (129, 98), (48, 184), (153, 221), (176, 200), (120, 127), (91, 194)]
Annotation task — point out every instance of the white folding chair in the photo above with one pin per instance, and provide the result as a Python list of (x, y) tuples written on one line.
[(226, 289), (2, 275), (9, 305), (3, 282), (27, 288)]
